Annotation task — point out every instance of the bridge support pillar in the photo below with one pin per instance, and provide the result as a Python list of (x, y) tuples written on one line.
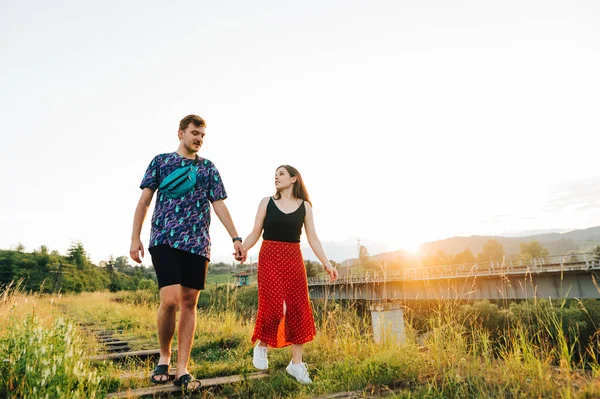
[(388, 322)]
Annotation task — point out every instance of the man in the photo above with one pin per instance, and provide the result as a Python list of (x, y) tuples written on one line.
[(180, 241)]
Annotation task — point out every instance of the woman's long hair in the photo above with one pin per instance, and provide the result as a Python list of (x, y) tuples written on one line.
[(299, 187)]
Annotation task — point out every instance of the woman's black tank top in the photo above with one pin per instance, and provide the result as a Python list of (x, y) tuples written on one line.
[(279, 226)]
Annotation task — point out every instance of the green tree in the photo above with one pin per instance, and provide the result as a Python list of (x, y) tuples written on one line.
[(78, 288), (492, 251), (7, 266), (30, 271), (147, 272), (115, 285), (483, 313), (77, 255), (70, 273), (596, 252), (110, 266), (111, 269), (533, 250), (312, 269), (465, 257), (147, 284), (440, 258), (42, 257), (373, 265), (122, 265)]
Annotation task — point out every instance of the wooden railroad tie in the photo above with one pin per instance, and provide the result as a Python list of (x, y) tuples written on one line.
[(208, 382), (123, 355), (117, 338)]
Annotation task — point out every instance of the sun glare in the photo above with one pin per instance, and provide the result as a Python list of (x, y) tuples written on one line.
[(412, 247)]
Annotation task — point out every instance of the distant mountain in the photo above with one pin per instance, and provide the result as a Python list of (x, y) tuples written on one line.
[(556, 243), (591, 234), (525, 233)]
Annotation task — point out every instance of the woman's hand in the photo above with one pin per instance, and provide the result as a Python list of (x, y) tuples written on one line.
[(240, 253), (333, 273)]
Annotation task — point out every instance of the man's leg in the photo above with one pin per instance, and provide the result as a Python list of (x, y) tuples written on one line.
[(187, 327), (169, 301)]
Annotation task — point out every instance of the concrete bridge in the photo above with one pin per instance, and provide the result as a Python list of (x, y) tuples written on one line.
[(565, 276)]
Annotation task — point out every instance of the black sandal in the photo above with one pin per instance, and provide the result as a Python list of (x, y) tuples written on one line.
[(161, 369), (184, 381)]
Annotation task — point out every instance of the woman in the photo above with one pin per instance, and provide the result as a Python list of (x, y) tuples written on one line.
[(284, 312)]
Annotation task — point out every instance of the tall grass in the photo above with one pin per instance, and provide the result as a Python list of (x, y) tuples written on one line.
[(453, 350), (457, 349), (467, 359), (42, 362), (41, 356)]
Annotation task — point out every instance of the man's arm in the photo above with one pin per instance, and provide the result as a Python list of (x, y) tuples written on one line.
[(141, 210), (225, 218)]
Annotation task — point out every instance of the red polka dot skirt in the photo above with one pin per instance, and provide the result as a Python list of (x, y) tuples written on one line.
[(282, 280)]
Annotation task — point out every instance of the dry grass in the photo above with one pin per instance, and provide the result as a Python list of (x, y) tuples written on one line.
[(452, 361)]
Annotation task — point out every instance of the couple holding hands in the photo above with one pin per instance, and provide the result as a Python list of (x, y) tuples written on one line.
[(186, 186)]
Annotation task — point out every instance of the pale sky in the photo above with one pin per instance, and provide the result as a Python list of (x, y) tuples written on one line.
[(409, 121)]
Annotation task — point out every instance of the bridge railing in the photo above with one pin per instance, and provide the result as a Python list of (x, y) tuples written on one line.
[(555, 263)]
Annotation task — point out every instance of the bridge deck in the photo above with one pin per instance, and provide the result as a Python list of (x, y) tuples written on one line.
[(549, 265)]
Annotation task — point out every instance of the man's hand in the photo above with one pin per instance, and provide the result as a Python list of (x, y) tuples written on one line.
[(240, 253), (136, 248), (333, 273)]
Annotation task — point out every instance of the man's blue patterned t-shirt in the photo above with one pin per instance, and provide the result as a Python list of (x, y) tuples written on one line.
[(183, 223)]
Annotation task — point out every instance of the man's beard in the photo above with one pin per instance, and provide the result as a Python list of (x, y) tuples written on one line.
[(192, 149)]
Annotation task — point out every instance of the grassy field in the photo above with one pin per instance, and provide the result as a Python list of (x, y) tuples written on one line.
[(43, 351)]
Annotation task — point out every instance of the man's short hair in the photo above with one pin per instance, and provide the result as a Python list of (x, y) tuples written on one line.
[(195, 119)]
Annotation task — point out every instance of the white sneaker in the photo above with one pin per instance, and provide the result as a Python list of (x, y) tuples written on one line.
[(259, 359), (299, 372)]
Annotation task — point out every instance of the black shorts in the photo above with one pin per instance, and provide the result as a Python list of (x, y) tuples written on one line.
[(174, 266)]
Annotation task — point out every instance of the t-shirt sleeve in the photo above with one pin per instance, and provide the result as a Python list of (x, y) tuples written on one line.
[(150, 179), (216, 189)]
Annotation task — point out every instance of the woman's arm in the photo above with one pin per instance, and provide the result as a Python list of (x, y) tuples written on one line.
[(253, 237), (315, 243)]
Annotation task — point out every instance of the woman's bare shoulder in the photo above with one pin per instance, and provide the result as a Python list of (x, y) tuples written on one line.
[(264, 201)]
